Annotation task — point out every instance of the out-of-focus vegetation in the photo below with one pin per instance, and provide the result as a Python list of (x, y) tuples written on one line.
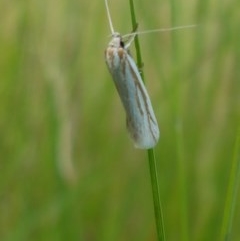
[(68, 169)]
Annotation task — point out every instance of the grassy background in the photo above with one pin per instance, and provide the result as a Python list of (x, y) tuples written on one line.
[(68, 168)]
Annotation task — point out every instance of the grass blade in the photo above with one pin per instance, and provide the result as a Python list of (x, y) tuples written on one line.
[(231, 192), (151, 156), (156, 196)]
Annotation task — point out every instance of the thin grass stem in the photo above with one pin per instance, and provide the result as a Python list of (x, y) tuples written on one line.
[(178, 122), (156, 196), (231, 192), (151, 156)]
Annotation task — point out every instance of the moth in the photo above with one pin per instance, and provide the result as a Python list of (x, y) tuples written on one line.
[(141, 121)]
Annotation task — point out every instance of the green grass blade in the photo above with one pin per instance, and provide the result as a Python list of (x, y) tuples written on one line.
[(136, 40), (156, 196), (231, 192), (151, 156), (176, 58)]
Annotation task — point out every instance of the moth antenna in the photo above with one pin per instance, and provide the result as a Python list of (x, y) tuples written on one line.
[(109, 17), (160, 30)]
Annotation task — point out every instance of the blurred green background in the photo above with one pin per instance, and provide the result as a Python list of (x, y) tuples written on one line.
[(68, 168)]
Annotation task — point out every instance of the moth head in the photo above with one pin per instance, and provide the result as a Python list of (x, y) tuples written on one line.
[(116, 41)]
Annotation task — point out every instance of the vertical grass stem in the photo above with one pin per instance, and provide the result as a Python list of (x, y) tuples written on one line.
[(231, 192), (151, 156)]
